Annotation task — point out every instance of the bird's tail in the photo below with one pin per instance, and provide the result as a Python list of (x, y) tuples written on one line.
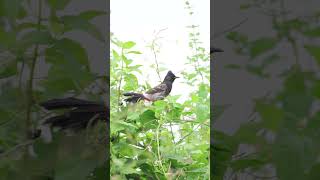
[(133, 97), (213, 50)]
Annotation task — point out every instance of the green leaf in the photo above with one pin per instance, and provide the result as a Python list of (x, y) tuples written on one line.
[(36, 37), (56, 27), (28, 25), (78, 22), (222, 150), (217, 111), (313, 33), (261, 45), (67, 50), (148, 120), (12, 9), (242, 164), (316, 89), (131, 82), (247, 133), (202, 112), (272, 116), (270, 60), (58, 4), (7, 39), (8, 69), (134, 52), (314, 51), (257, 70), (128, 44), (89, 15), (314, 173), (119, 125), (295, 149)]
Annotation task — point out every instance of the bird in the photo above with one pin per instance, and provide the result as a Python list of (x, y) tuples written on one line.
[(157, 93), (78, 115), (213, 50)]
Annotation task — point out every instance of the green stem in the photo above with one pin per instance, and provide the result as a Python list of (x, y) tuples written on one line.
[(158, 148), (120, 81), (29, 90)]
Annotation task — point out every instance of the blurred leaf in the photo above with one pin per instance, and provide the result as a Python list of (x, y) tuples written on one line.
[(271, 115), (313, 33), (316, 89), (257, 70), (12, 9), (247, 133), (314, 51), (296, 150), (58, 4), (217, 111), (78, 22), (36, 37), (8, 69), (262, 45), (243, 164), (7, 39), (66, 50), (222, 149), (314, 173), (270, 60), (89, 15)]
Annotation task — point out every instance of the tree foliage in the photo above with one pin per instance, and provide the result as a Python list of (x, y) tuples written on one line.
[(282, 131), (40, 61), (167, 139)]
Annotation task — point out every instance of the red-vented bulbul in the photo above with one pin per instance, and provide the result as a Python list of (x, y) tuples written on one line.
[(157, 93)]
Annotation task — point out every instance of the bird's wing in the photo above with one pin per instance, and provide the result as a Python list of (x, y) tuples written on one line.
[(161, 88)]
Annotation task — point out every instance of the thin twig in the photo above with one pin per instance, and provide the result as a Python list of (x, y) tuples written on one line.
[(189, 134), (218, 34), (15, 148), (153, 48), (89, 125)]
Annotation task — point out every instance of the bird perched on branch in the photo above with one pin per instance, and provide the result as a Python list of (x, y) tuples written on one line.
[(79, 113), (157, 93)]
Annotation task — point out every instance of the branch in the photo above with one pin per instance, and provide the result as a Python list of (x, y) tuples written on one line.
[(29, 90)]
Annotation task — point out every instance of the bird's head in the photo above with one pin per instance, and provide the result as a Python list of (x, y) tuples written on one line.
[(170, 77)]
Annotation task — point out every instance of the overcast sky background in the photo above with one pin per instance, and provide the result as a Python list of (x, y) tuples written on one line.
[(139, 20)]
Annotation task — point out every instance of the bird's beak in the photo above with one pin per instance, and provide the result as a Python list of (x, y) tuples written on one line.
[(176, 77)]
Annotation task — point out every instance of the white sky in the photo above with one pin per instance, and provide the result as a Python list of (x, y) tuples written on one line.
[(138, 20)]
